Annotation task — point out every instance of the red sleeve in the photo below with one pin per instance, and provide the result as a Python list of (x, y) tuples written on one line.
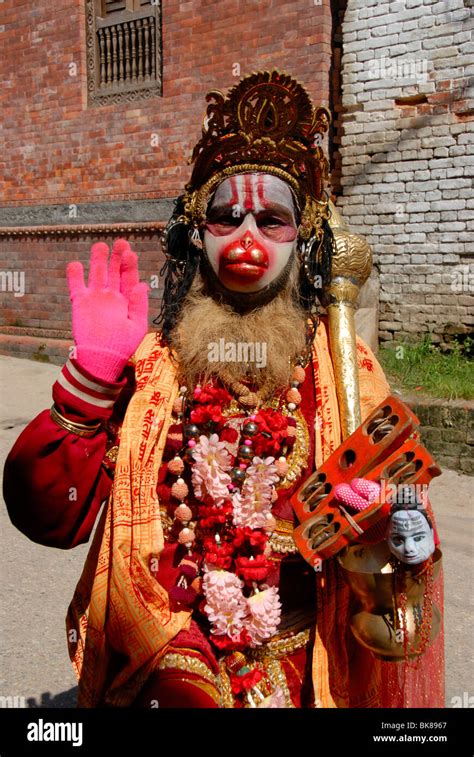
[(54, 481)]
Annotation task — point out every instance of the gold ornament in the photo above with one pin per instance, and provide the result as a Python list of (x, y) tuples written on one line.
[(266, 123), (393, 625), (350, 268)]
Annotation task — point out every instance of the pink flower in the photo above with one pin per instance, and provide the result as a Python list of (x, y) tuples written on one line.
[(209, 476), (264, 613), (252, 506), (225, 604)]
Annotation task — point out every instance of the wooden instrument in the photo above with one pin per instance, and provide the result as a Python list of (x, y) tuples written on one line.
[(379, 450)]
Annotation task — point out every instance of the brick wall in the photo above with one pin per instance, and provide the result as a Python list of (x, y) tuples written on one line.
[(59, 149), (104, 168), (408, 158)]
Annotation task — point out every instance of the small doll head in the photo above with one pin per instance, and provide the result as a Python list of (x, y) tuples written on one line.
[(410, 533)]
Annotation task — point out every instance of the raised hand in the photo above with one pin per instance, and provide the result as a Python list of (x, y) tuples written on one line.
[(110, 315)]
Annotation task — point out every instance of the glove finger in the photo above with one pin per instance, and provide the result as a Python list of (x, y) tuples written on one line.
[(369, 490), (138, 304), (98, 266), (113, 276), (343, 493), (75, 279), (128, 273)]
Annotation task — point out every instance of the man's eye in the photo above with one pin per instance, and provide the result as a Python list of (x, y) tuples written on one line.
[(397, 540), (272, 222)]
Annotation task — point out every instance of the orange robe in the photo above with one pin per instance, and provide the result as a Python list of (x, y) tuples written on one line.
[(120, 623)]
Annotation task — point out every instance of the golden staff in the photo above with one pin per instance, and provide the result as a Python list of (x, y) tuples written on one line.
[(351, 266)]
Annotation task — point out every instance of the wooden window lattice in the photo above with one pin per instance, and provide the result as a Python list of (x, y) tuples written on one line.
[(124, 50), (127, 53)]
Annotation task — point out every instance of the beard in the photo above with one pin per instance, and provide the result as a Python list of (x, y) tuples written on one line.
[(209, 331)]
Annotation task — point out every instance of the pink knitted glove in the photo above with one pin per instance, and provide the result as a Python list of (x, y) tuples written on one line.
[(110, 315), (357, 495)]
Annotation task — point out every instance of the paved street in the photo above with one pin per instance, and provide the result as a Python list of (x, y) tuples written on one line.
[(37, 582)]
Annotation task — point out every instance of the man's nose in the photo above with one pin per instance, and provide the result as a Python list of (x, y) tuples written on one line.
[(247, 240)]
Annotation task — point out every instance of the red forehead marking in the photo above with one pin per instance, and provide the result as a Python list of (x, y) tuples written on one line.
[(235, 191), (248, 201), (261, 191)]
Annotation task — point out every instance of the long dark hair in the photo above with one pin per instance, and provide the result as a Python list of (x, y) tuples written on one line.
[(315, 270), (179, 269)]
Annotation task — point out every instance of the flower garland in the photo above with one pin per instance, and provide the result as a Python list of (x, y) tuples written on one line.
[(234, 474)]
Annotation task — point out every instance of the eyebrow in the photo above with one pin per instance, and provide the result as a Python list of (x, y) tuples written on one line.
[(404, 533)]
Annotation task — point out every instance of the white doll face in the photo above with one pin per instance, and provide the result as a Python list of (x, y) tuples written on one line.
[(410, 537), (250, 231)]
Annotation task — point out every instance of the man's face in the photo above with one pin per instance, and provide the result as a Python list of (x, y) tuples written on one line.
[(250, 231), (410, 537)]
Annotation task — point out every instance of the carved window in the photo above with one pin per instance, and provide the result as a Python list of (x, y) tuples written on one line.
[(123, 50)]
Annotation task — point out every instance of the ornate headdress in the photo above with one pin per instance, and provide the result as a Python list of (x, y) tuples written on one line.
[(266, 123)]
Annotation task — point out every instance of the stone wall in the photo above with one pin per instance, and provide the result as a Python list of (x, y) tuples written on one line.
[(408, 158), (447, 430)]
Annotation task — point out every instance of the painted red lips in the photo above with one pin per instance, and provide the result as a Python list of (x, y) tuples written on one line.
[(245, 259)]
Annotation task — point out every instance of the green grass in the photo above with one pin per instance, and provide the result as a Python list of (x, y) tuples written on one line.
[(422, 368)]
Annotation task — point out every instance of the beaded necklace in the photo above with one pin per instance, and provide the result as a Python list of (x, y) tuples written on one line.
[(234, 466)]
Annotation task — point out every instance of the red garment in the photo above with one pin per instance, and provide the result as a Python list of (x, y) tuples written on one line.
[(60, 510), (54, 482)]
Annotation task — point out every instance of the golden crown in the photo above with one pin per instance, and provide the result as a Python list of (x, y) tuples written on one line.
[(266, 123)]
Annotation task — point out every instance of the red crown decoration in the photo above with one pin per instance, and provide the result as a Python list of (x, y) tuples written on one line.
[(266, 123)]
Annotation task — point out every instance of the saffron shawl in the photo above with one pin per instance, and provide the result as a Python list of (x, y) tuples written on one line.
[(119, 622)]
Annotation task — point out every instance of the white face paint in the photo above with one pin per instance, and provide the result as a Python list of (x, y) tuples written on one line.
[(410, 537), (250, 231)]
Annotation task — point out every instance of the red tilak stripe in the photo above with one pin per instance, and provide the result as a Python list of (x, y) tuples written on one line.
[(248, 202), (261, 191), (235, 192)]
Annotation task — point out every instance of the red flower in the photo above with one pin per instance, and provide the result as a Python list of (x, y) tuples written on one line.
[(271, 420), (252, 570), (273, 427), (205, 413), (213, 395), (246, 681), (252, 539), (219, 555), (236, 643), (211, 515), (229, 435)]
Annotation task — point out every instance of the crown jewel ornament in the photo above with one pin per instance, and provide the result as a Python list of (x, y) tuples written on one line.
[(266, 123)]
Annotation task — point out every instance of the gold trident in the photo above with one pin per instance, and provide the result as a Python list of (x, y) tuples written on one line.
[(351, 266)]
